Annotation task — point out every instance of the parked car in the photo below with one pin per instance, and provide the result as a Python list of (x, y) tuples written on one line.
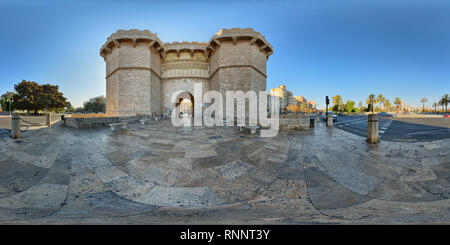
[(331, 113), (385, 114)]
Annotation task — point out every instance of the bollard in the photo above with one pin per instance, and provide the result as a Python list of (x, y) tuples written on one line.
[(48, 119), (63, 121), (372, 129), (311, 122), (15, 126), (330, 120)]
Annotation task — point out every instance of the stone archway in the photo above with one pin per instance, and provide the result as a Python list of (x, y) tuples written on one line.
[(185, 104)]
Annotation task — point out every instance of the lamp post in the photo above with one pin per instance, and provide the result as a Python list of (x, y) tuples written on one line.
[(10, 102)]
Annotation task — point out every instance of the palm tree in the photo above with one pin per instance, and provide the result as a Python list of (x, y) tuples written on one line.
[(370, 101), (380, 99), (387, 104), (441, 103), (445, 100), (435, 105), (398, 103)]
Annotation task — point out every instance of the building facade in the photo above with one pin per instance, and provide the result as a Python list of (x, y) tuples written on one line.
[(142, 72), (298, 100), (284, 94)]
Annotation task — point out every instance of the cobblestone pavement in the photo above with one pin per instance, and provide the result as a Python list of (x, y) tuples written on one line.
[(158, 174)]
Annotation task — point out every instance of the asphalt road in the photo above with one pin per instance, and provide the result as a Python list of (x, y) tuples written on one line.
[(401, 129)]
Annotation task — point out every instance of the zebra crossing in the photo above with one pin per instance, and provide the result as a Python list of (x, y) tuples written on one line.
[(397, 130), (360, 124), (383, 126)]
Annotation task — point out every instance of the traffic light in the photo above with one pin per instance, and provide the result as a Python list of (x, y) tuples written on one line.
[(327, 100)]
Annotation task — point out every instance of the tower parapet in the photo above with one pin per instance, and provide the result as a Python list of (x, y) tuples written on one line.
[(133, 72), (237, 60)]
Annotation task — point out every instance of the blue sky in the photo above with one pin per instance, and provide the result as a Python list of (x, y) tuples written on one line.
[(321, 47)]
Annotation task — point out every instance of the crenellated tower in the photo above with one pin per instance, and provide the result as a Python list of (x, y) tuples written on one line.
[(237, 60), (133, 72), (142, 72)]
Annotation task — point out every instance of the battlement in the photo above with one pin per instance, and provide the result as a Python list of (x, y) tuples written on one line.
[(134, 36), (185, 46), (236, 34)]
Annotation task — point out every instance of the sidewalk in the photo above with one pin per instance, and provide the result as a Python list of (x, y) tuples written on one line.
[(158, 174)]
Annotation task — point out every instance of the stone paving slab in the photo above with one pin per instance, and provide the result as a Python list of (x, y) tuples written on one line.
[(159, 174)]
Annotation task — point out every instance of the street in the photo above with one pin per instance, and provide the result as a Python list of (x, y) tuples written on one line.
[(398, 129)]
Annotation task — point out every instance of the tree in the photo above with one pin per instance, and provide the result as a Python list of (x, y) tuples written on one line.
[(380, 99), (69, 107), (79, 110), (349, 106), (35, 97), (293, 108), (95, 105), (398, 103), (435, 105), (27, 96), (445, 100), (370, 101), (51, 98), (441, 103), (6, 101), (387, 104), (338, 103)]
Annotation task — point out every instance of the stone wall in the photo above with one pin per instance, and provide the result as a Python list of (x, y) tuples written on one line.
[(142, 72), (294, 123), (93, 122)]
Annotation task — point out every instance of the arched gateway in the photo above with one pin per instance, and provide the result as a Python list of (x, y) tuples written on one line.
[(185, 104), (142, 72)]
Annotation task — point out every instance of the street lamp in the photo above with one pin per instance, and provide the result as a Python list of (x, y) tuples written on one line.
[(10, 102)]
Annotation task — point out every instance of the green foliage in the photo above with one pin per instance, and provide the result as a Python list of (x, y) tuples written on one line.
[(338, 103), (444, 101), (5, 101), (349, 106), (387, 104), (69, 107), (380, 99), (32, 96), (95, 105), (78, 110)]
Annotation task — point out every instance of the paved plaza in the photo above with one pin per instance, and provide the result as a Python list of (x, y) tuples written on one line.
[(159, 174)]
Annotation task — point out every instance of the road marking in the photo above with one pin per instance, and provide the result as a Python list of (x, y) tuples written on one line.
[(354, 120), (405, 140), (435, 131)]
